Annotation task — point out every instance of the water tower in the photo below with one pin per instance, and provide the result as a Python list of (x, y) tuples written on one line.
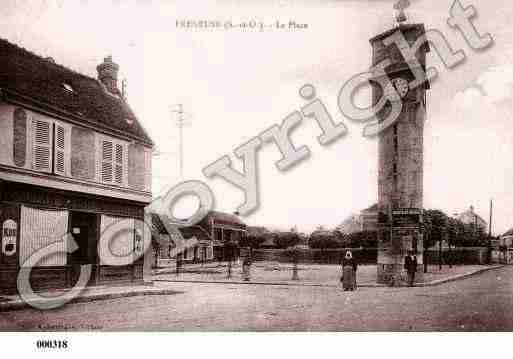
[(400, 152)]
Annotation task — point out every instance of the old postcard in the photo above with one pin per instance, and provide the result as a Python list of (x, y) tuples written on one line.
[(249, 166)]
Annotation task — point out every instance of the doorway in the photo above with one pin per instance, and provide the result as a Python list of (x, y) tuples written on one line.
[(83, 228)]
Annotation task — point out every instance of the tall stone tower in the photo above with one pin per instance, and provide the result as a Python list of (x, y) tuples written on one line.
[(400, 152)]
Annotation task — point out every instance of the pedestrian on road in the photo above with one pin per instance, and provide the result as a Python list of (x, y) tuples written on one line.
[(410, 264), (246, 269), (349, 272)]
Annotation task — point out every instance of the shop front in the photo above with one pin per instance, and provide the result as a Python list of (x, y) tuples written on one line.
[(34, 218)]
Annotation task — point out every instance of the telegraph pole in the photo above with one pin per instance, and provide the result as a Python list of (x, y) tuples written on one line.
[(491, 219), (490, 233), (180, 123)]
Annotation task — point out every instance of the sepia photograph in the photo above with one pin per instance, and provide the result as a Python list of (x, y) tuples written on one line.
[(244, 166)]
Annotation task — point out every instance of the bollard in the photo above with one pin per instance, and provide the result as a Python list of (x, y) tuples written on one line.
[(178, 266), (229, 269), (295, 275), (246, 269)]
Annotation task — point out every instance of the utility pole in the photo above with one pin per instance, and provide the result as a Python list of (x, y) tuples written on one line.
[(440, 249), (491, 219), (490, 233), (123, 89), (180, 123)]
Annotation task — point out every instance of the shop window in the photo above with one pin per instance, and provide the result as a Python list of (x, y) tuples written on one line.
[(40, 229), (117, 239)]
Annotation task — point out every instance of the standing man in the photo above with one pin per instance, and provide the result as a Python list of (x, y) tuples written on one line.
[(410, 264)]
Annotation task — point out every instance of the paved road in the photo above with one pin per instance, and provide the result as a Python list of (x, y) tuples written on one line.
[(482, 302)]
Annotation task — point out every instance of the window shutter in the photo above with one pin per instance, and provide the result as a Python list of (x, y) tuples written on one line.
[(118, 165), (107, 157), (147, 170), (42, 159), (59, 148)]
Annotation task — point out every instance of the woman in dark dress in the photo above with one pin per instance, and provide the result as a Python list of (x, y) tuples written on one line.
[(349, 272)]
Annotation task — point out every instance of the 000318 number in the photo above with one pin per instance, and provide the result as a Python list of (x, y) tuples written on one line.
[(52, 344)]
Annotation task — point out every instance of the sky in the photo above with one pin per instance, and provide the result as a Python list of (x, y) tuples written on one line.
[(233, 84)]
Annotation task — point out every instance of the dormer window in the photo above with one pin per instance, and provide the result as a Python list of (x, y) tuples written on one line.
[(68, 87)]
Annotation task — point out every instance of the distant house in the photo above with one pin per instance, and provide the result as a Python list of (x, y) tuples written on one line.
[(197, 246), (74, 160), (227, 230), (369, 217), (507, 239), (351, 224), (471, 218), (366, 220), (215, 237)]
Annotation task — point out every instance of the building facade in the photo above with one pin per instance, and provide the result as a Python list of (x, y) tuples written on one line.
[(366, 220), (400, 153), (216, 237), (227, 231), (74, 160)]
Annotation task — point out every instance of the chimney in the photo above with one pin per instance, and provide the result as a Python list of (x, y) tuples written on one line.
[(108, 74)]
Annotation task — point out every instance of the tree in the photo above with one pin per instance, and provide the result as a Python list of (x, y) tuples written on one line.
[(458, 233), (256, 236), (322, 239), (286, 239), (363, 239), (435, 222)]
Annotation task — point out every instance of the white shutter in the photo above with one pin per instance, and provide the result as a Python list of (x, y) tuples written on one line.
[(59, 150), (106, 161), (147, 170), (42, 146), (118, 164), (39, 229), (119, 238)]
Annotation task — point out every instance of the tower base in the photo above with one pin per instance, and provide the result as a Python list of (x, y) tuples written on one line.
[(394, 275), (393, 246)]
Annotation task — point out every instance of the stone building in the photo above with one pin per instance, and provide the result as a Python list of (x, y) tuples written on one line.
[(351, 224), (369, 218), (74, 160), (366, 220), (400, 153)]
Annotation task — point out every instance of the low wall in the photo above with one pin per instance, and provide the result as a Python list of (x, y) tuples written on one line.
[(318, 256), (457, 256)]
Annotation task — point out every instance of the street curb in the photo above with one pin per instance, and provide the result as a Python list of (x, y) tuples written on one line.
[(459, 276), (18, 305), (427, 284), (266, 283)]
